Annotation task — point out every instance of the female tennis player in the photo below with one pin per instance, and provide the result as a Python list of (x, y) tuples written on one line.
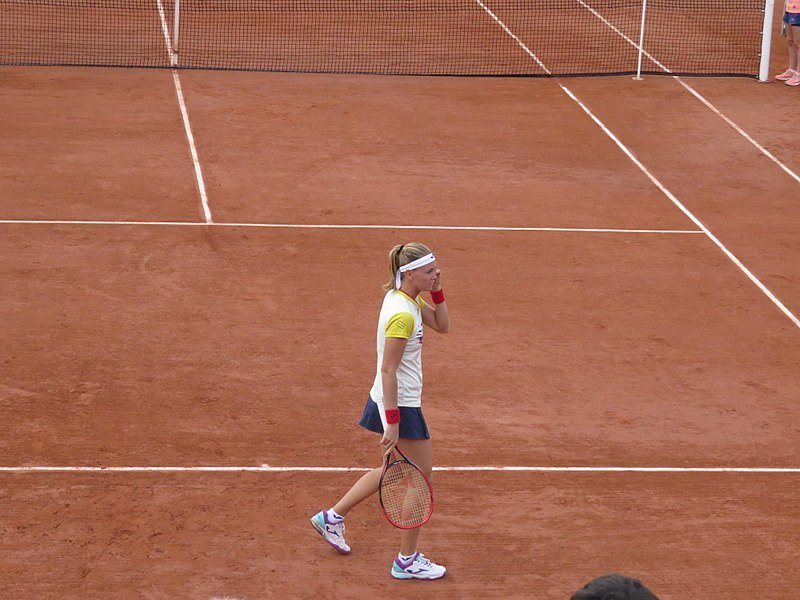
[(791, 24), (393, 408)]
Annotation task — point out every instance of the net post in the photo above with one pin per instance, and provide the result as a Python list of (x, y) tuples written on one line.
[(175, 33), (766, 40), (641, 42)]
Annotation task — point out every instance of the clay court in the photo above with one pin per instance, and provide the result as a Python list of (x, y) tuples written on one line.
[(191, 273)]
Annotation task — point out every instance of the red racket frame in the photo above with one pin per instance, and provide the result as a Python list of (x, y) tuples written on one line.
[(386, 465)]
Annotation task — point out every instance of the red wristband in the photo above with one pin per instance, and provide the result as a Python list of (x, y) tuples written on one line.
[(392, 415), (437, 296)]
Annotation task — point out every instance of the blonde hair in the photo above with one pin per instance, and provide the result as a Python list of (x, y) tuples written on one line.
[(400, 255)]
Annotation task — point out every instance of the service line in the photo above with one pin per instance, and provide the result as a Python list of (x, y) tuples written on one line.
[(349, 226), (299, 469)]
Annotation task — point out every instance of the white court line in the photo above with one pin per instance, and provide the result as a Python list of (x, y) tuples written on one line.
[(739, 130), (201, 186), (165, 31), (697, 95), (327, 226), (658, 183), (498, 469), (514, 37), (198, 172)]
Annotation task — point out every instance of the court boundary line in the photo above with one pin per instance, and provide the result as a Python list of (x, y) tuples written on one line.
[(766, 291), (311, 469), (349, 226), (696, 94), (198, 171)]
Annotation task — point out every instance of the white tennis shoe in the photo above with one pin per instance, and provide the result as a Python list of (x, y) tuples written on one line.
[(418, 567), (333, 533)]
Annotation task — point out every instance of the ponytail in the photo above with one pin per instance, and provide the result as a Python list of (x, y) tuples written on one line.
[(400, 255)]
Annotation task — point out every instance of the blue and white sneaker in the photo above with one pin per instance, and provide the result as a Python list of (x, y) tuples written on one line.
[(418, 567), (332, 532)]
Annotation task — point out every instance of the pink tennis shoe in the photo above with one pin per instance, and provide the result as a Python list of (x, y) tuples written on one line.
[(794, 80)]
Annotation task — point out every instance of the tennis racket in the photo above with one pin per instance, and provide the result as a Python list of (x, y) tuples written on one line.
[(405, 494)]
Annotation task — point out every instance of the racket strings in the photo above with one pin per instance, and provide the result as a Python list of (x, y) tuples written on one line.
[(405, 495)]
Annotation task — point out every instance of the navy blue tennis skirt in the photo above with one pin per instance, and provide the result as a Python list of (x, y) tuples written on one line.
[(791, 19), (412, 423)]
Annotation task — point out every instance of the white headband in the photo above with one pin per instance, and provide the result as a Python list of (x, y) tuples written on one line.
[(420, 262)]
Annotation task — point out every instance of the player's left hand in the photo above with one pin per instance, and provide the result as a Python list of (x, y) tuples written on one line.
[(437, 283)]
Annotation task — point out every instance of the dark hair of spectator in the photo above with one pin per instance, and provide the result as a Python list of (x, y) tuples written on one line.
[(614, 587)]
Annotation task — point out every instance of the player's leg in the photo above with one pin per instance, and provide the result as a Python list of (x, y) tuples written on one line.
[(421, 454), (373, 419), (793, 34), (789, 29), (330, 523), (410, 563), (362, 489), (419, 451)]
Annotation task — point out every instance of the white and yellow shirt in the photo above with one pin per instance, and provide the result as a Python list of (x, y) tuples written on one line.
[(401, 317)]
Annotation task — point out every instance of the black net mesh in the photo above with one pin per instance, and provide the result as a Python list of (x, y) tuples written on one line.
[(408, 37)]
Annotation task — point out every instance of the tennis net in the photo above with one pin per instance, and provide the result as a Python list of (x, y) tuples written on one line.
[(398, 37)]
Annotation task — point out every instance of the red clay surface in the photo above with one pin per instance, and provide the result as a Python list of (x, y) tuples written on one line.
[(177, 346), (737, 192), (134, 345), (165, 536), (93, 144), (282, 148)]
